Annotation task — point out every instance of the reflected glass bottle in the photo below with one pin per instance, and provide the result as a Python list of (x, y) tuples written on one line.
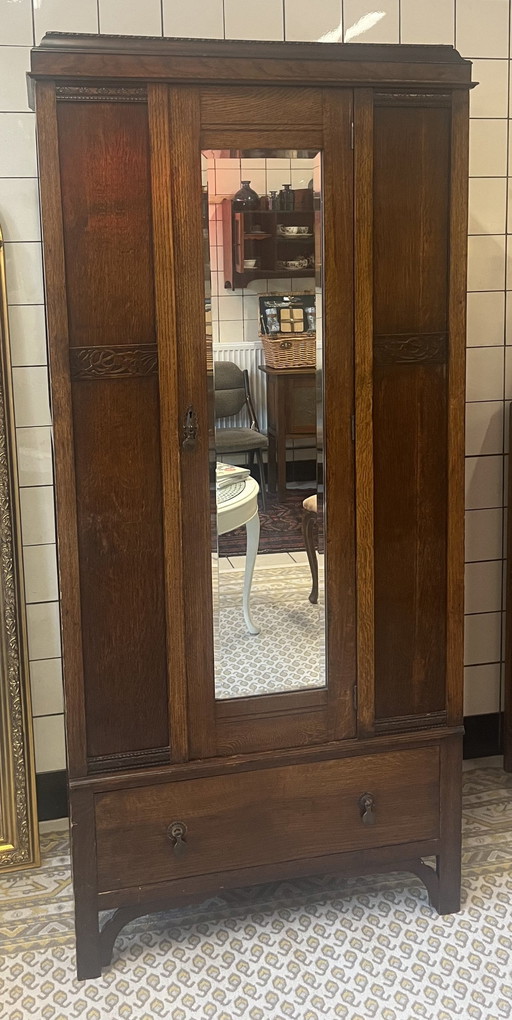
[(246, 198)]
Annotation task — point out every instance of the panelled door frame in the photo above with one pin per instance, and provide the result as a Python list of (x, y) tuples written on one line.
[(191, 119)]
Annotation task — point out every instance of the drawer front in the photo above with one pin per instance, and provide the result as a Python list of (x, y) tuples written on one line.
[(253, 818)]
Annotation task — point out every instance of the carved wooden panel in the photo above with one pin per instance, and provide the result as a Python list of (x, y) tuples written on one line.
[(402, 348), (113, 362), (101, 93), (407, 97)]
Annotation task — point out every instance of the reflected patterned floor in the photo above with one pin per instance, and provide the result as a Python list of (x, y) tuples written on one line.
[(288, 653), (308, 950)]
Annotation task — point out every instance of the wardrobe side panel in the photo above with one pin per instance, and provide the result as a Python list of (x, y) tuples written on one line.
[(411, 251), (106, 200)]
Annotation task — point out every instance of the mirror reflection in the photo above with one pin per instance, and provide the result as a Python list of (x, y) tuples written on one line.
[(262, 231)]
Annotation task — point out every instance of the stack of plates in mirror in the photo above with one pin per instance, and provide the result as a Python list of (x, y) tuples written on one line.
[(226, 492)]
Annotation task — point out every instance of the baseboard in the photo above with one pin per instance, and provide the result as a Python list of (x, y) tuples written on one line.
[(482, 738), (483, 735), (52, 795)]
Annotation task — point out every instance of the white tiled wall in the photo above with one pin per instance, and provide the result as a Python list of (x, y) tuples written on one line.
[(481, 31)]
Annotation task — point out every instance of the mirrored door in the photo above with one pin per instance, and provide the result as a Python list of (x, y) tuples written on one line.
[(275, 206)]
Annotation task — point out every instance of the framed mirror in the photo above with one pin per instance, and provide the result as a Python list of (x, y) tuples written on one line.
[(19, 837)]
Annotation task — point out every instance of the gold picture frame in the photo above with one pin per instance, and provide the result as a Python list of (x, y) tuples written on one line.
[(19, 834)]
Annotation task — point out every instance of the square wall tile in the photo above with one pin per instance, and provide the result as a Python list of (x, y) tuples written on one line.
[(16, 22), (46, 687), (27, 331), (490, 99), (483, 587), (432, 22), (362, 23), (63, 16), (50, 744), (231, 308), (304, 21), (484, 483), (31, 398), (484, 534), (263, 20), (484, 373), (481, 30), (24, 272), (508, 373), (487, 148), (487, 205), (40, 569), (13, 84), (19, 209), (486, 262), (484, 428), (194, 19), (34, 456), (37, 515), (118, 17), (485, 319), (43, 626), (482, 638), (18, 145), (482, 689)]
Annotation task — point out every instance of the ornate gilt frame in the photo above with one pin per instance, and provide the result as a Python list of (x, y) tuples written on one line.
[(19, 836)]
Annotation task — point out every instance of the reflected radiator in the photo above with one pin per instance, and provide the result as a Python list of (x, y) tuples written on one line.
[(247, 355)]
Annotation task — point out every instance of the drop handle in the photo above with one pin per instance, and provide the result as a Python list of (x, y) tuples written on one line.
[(190, 429), (176, 834), (367, 808)]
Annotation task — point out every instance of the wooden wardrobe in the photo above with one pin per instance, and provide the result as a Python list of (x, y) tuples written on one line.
[(176, 794)]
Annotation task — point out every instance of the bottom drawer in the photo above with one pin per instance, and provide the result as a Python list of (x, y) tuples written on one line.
[(248, 819)]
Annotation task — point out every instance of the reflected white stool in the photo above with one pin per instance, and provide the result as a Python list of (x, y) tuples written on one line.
[(237, 504)]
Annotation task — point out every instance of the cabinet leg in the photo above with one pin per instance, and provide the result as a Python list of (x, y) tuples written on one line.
[(88, 950), (446, 898)]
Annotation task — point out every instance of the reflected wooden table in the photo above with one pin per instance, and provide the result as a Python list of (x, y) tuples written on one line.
[(237, 505), (291, 412)]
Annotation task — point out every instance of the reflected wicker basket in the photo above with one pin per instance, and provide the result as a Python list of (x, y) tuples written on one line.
[(284, 351)]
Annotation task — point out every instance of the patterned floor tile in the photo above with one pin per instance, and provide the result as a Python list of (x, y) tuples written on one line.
[(308, 950)]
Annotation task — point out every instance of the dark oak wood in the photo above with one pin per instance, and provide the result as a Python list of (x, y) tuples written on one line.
[(167, 329), (268, 787), (363, 406), (411, 222), (279, 815), (457, 386), (63, 440)]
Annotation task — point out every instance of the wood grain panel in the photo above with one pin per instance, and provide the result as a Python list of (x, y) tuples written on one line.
[(250, 107), (119, 507), (457, 383), (410, 392), (410, 471), (57, 321), (104, 162), (411, 219), (282, 814), (337, 234), (363, 332)]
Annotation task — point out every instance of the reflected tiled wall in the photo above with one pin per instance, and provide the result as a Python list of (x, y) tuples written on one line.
[(481, 31)]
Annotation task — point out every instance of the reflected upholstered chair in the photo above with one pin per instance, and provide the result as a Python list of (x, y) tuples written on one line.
[(233, 395), (309, 520)]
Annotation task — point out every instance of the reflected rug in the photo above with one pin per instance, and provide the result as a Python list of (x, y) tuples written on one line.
[(281, 526), (316, 949)]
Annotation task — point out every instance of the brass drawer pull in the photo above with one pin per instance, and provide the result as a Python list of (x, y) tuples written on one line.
[(367, 808), (176, 834)]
